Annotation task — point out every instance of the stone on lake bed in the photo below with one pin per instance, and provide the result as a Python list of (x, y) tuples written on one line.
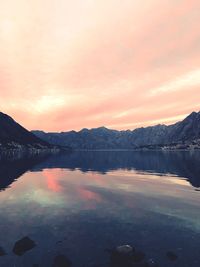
[(122, 256), (61, 261), (125, 249), (127, 256), (148, 263), (2, 252), (171, 256), (23, 245), (151, 263), (138, 256)]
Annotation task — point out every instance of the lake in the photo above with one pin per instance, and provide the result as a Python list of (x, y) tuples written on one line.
[(80, 204)]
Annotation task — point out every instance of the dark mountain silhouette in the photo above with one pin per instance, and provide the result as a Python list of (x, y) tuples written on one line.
[(14, 136), (184, 132)]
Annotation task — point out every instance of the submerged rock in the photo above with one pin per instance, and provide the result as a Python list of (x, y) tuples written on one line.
[(151, 263), (2, 252), (126, 256), (122, 256), (138, 256), (171, 256), (61, 261), (125, 250), (148, 263), (23, 245)]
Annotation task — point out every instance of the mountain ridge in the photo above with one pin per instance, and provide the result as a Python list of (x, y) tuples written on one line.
[(15, 136), (181, 133)]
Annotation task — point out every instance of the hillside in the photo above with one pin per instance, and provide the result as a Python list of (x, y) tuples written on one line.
[(184, 133), (14, 136)]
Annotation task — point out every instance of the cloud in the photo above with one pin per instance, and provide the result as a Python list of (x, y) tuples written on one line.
[(184, 82), (75, 64)]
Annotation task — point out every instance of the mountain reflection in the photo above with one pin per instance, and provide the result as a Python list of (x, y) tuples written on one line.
[(12, 166), (185, 164)]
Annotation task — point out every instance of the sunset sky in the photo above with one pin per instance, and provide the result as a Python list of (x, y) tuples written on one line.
[(87, 63)]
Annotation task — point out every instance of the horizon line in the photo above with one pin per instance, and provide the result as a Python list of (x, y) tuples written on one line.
[(109, 127)]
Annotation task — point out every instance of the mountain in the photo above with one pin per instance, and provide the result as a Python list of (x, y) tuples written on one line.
[(186, 130), (14, 136), (181, 134)]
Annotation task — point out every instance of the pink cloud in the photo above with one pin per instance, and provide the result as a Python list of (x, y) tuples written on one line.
[(73, 65)]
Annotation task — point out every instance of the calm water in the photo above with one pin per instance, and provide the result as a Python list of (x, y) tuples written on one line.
[(81, 203)]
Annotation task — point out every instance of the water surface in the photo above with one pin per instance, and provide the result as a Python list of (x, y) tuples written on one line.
[(81, 203)]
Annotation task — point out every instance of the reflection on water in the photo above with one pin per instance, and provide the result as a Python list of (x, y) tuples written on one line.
[(81, 203), (12, 167), (183, 164)]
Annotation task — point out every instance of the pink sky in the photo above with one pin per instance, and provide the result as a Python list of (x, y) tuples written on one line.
[(87, 63)]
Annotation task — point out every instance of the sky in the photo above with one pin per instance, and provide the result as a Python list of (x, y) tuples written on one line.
[(88, 63)]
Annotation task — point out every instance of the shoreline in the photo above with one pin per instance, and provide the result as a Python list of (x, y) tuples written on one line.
[(138, 149)]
